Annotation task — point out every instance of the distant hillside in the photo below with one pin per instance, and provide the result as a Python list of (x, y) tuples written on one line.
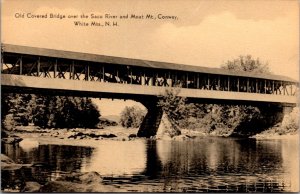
[(115, 118)]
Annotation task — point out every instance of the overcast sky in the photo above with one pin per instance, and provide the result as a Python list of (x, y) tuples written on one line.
[(207, 32)]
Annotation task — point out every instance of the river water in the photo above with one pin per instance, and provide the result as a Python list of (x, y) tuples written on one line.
[(199, 165)]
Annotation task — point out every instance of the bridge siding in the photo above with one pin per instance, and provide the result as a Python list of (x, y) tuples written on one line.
[(76, 70), (86, 57), (147, 80)]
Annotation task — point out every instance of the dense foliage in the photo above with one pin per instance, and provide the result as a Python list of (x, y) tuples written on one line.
[(248, 64), (222, 119), (290, 123), (174, 106), (208, 118), (132, 117), (48, 111)]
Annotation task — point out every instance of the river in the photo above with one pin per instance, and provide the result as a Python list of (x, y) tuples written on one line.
[(199, 165)]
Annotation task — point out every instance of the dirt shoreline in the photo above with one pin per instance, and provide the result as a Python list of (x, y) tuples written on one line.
[(80, 137), (33, 136)]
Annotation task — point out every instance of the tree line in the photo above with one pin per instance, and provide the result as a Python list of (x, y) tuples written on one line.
[(48, 111)]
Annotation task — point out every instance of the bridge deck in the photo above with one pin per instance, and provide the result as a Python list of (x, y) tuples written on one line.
[(20, 81)]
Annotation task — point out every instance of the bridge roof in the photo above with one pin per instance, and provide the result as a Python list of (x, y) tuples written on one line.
[(134, 62)]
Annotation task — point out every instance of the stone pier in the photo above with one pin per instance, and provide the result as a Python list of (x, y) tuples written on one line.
[(152, 119)]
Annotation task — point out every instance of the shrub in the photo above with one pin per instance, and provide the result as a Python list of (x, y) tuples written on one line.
[(8, 122), (290, 122), (132, 117), (175, 106)]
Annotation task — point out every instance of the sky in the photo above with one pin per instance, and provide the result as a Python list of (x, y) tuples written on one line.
[(205, 33)]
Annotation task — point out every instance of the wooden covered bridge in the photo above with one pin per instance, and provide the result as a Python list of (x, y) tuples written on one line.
[(40, 70)]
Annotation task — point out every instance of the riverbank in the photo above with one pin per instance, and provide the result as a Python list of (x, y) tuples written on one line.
[(29, 136), (76, 136), (286, 129), (34, 136), (276, 133)]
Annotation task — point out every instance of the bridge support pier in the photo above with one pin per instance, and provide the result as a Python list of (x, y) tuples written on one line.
[(282, 110), (286, 109), (152, 119)]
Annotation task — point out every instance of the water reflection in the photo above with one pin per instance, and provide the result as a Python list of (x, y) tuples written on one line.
[(29, 144), (291, 150), (231, 164), (200, 165), (117, 158), (154, 164)]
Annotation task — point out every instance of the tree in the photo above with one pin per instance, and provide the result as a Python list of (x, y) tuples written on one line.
[(132, 117), (16, 106), (173, 105), (48, 111), (237, 116), (248, 64), (89, 113), (176, 107)]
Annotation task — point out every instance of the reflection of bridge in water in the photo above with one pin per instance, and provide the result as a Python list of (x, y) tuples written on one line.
[(39, 70), (200, 165)]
